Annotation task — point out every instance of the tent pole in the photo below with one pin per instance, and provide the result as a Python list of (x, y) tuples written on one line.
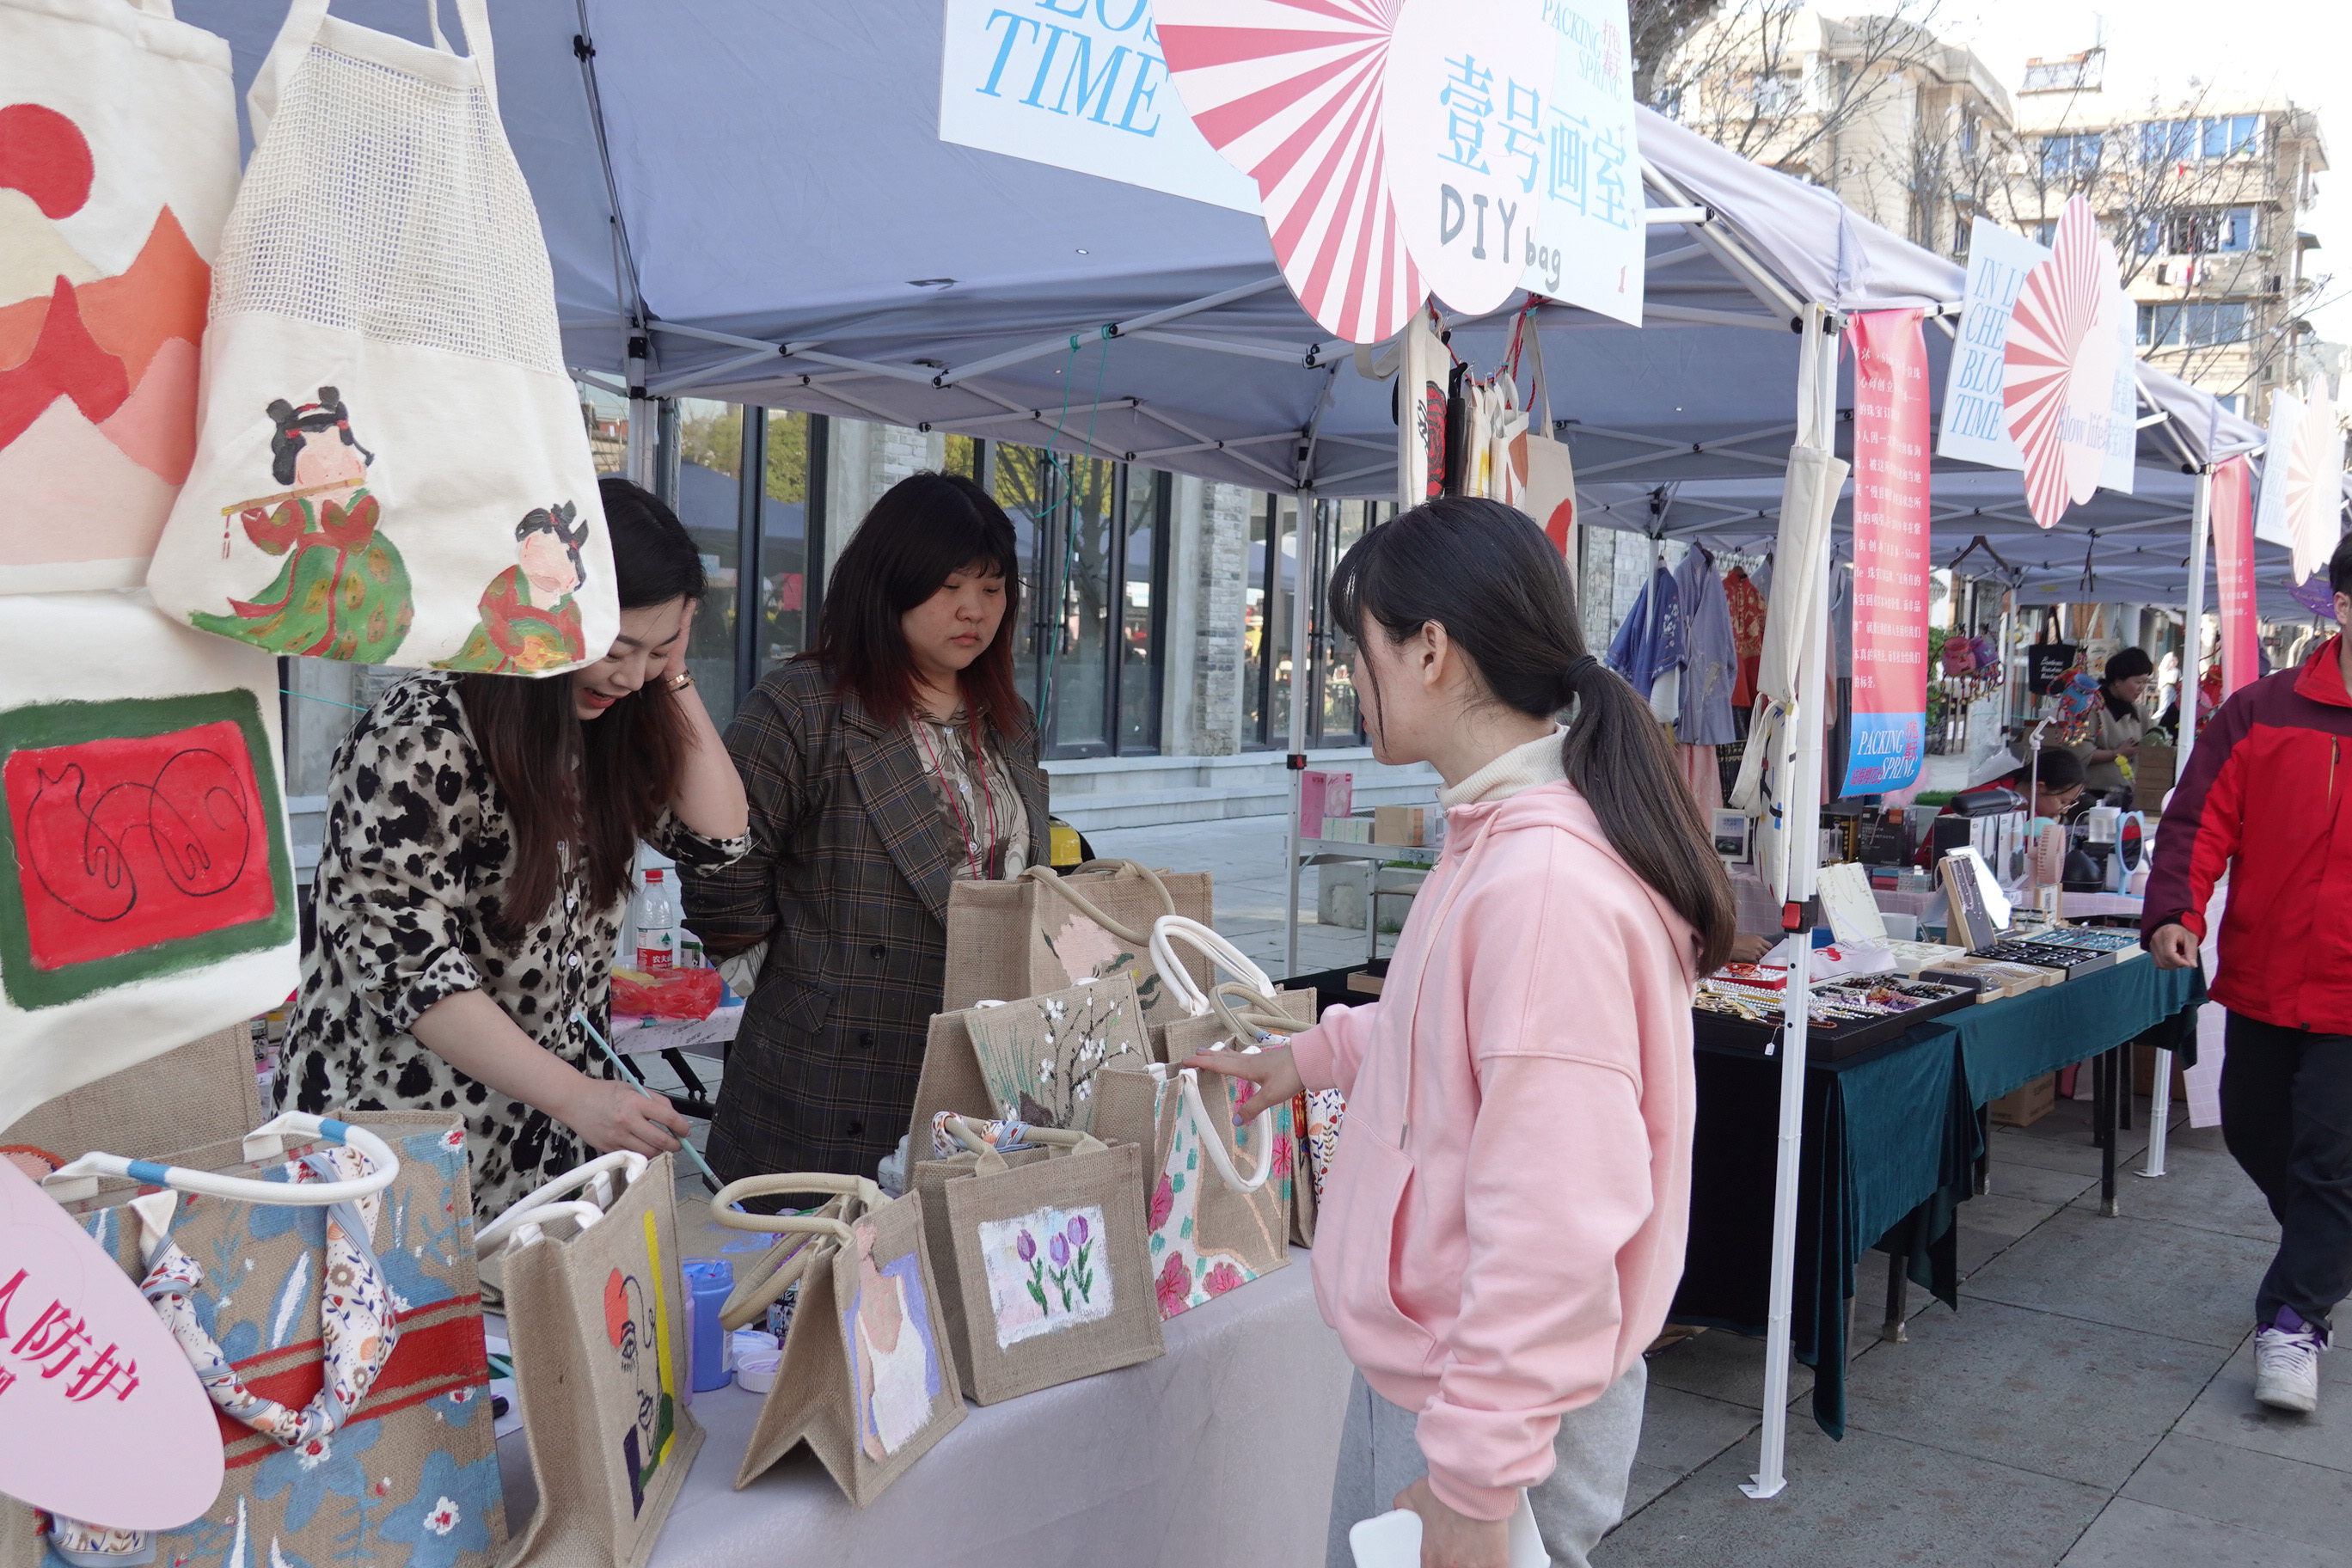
[(1296, 760), (1804, 855), (2201, 528)]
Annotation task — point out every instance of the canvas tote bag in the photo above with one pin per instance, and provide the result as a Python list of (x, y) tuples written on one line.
[(1549, 492), (122, 126), (1043, 931), (1271, 1021), (319, 1275), (987, 1076), (1049, 1261), (202, 1092), (391, 466), (866, 1379), (596, 1322), (146, 886)]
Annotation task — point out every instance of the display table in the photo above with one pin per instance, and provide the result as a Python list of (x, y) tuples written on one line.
[(1220, 1452), (1893, 1143)]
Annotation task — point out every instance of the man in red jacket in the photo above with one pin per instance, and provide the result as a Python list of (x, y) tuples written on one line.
[(2265, 799)]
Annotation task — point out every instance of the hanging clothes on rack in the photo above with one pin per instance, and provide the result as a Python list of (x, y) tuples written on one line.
[(1745, 599), (1648, 648), (1710, 656)]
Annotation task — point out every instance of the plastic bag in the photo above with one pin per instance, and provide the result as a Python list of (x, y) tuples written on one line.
[(680, 994)]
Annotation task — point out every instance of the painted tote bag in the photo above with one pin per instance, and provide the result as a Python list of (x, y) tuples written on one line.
[(1050, 1268), (1040, 1056), (595, 1315), (119, 126), (146, 889), (1269, 1021), (1043, 931), (391, 467), (319, 1277), (866, 1380)]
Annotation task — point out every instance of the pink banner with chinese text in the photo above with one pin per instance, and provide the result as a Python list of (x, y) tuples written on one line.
[(1890, 552), (2232, 514)]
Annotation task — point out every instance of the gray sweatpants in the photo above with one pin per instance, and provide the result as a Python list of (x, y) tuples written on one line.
[(1574, 1506)]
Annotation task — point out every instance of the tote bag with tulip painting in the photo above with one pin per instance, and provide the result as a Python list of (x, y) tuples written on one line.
[(390, 462)]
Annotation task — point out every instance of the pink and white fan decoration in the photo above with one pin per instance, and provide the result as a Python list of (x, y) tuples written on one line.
[(1334, 108), (2059, 368), (2315, 495)]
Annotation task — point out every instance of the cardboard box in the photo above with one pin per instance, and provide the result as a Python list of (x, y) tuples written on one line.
[(1322, 795), (2144, 1075), (2026, 1104), (1404, 824)]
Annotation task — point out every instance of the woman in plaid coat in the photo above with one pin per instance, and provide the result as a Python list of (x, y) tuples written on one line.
[(892, 759)]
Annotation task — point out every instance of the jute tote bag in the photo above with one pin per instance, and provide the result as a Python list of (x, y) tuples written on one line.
[(989, 1074), (596, 1320), (319, 1275), (391, 466), (121, 128), (1043, 931), (1050, 1268), (146, 886), (866, 1379), (1245, 1016), (202, 1092)]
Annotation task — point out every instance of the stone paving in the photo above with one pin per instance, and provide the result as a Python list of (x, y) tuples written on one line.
[(2091, 1404)]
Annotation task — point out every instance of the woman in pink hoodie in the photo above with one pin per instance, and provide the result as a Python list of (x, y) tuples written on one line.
[(1503, 1227)]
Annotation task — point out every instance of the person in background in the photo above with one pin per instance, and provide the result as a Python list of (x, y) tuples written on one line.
[(1505, 1218), (481, 833), (894, 758), (2266, 798), (2055, 787), (2117, 720)]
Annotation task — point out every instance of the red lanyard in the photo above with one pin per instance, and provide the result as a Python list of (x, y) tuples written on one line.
[(947, 788)]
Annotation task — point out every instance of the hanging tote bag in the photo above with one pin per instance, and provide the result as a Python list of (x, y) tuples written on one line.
[(1043, 931), (391, 466), (1549, 496), (2049, 660), (146, 887), (120, 126), (596, 1317), (319, 1277), (864, 1380)]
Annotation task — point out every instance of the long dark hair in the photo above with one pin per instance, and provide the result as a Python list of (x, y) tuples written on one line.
[(601, 786), (925, 529), (1500, 589)]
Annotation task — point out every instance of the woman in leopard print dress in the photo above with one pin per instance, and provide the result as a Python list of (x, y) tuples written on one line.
[(480, 834)]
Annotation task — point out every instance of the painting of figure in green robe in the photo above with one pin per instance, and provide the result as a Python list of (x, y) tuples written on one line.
[(530, 624), (343, 592)]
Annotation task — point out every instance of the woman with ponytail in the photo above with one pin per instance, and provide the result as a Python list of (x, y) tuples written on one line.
[(1503, 1226)]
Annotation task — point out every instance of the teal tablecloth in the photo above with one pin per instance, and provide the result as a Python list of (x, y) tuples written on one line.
[(1891, 1138)]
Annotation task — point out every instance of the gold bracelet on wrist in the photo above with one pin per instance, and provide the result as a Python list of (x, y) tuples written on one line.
[(681, 680)]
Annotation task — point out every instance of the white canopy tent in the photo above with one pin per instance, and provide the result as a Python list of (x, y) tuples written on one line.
[(759, 208)]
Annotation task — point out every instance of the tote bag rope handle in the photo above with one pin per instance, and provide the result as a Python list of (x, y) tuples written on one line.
[(1171, 928), (1188, 1081), (1254, 1018), (786, 1263), (78, 1179), (1046, 876), (495, 1234), (1058, 1142)]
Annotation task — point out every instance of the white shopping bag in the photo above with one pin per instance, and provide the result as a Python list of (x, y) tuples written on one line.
[(1392, 1540), (120, 130), (1548, 477), (391, 466)]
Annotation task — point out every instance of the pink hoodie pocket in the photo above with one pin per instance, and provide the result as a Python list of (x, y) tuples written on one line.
[(1364, 1205)]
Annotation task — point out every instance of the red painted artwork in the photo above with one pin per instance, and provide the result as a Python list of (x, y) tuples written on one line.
[(125, 843)]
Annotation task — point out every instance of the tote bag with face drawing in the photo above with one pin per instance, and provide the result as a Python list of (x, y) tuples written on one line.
[(391, 466)]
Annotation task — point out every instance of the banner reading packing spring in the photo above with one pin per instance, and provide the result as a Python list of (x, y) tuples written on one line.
[(1890, 550), (2232, 514)]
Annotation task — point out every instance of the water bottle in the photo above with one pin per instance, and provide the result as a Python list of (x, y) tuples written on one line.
[(656, 928), (709, 1282)]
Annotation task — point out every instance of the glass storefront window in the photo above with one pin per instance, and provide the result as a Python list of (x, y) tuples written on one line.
[(1139, 686), (787, 609), (1339, 716), (606, 416), (709, 501), (965, 456), (1266, 620)]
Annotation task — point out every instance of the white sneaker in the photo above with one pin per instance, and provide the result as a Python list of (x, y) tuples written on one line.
[(2286, 1368)]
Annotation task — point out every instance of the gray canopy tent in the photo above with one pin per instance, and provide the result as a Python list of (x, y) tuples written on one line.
[(756, 208)]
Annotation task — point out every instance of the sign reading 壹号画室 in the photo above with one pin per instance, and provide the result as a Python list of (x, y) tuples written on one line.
[(1078, 84)]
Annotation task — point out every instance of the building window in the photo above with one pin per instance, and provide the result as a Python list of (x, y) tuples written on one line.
[(2227, 135), (2068, 156), (2210, 138), (2199, 231), (2202, 324), (1092, 537), (1265, 621), (792, 542), (705, 489)]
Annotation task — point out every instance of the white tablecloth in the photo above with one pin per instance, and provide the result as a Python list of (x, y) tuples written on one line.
[(1218, 1453)]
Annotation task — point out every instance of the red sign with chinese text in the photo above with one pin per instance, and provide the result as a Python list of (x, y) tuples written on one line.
[(1890, 552), (2232, 514)]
